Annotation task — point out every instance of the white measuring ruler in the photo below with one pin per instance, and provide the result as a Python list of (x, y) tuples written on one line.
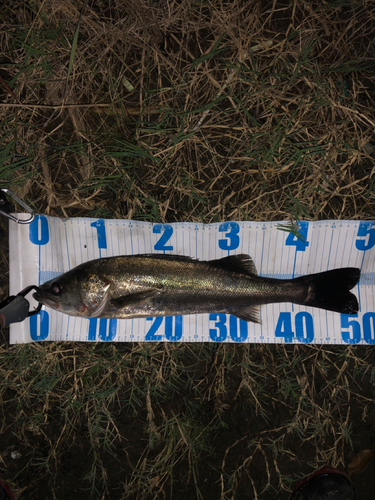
[(50, 246)]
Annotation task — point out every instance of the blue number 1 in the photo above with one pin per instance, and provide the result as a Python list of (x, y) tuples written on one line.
[(100, 228)]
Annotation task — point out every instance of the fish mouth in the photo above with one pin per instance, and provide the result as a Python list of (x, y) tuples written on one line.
[(47, 301)]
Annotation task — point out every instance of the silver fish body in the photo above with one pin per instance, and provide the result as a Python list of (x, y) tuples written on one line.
[(166, 285)]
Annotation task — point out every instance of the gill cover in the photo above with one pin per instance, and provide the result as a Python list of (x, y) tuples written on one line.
[(95, 294)]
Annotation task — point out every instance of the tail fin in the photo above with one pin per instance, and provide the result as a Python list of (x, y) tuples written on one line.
[(330, 290)]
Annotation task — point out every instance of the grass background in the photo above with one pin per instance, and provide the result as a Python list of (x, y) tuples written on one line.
[(185, 110)]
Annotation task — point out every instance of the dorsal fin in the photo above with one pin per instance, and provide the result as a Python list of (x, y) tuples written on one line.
[(166, 256), (241, 263)]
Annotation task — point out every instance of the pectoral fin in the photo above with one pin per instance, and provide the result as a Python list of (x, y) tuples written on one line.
[(133, 299)]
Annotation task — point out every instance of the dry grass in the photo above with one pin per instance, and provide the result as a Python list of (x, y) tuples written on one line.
[(155, 421), (170, 111), (237, 110)]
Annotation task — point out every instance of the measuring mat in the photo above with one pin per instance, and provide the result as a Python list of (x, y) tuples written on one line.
[(50, 246)]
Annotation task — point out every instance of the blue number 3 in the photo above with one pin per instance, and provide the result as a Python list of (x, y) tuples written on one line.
[(232, 240)]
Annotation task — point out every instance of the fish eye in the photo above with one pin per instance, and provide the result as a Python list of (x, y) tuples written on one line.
[(55, 288)]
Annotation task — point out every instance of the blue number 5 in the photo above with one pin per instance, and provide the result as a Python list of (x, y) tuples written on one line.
[(366, 236)]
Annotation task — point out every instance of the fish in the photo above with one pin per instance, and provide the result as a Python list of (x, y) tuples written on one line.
[(149, 285)]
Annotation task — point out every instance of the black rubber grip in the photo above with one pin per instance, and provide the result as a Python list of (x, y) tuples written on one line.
[(16, 311)]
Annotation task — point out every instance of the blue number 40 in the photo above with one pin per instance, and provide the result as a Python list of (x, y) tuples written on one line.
[(304, 327)]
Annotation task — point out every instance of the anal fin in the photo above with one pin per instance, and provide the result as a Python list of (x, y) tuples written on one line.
[(249, 313)]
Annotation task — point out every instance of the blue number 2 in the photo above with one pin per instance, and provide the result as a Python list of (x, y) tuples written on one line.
[(167, 231)]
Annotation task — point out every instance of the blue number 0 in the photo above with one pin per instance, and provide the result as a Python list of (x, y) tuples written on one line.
[(304, 327), (231, 240), (38, 230), (173, 334), (40, 333), (369, 327), (237, 334)]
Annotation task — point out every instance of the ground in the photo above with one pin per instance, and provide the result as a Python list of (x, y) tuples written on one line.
[(198, 111)]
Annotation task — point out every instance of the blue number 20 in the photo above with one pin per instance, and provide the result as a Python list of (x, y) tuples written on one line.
[(173, 328)]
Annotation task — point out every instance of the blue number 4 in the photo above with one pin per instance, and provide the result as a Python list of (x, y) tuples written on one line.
[(284, 327), (300, 241)]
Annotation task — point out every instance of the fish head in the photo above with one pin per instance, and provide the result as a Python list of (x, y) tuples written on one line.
[(77, 293)]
